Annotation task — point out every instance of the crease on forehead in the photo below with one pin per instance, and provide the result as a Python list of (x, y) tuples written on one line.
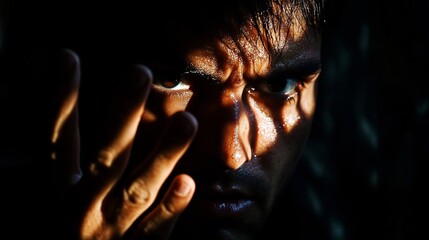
[(251, 52)]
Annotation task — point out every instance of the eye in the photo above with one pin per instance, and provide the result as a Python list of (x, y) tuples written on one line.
[(171, 82), (176, 84), (279, 86)]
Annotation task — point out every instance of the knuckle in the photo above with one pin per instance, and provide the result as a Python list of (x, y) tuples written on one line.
[(138, 194), (170, 208), (104, 160)]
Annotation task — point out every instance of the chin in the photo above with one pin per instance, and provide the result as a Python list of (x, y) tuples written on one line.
[(215, 233)]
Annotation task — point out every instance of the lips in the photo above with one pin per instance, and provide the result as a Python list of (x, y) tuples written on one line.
[(227, 208), (232, 204), (227, 197)]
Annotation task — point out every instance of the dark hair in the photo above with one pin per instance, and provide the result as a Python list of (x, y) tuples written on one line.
[(196, 21), (213, 18)]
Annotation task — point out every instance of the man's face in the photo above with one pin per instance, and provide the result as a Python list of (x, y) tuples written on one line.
[(254, 105)]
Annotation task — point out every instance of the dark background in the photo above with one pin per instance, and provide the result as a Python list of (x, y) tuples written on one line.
[(363, 172)]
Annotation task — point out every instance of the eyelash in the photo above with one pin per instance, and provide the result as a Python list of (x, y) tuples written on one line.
[(286, 93), (292, 98), (286, 85)]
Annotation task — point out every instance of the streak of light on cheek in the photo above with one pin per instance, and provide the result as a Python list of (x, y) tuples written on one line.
[(304, 109), (290, 120), (266, 133), (237, 154), (307, 101)]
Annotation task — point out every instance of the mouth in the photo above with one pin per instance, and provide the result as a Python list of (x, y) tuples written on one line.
[(225, 203)]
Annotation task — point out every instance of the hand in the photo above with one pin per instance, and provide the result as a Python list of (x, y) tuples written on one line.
[(101, 201)]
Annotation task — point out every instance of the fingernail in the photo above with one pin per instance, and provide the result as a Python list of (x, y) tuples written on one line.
[(182, 189)]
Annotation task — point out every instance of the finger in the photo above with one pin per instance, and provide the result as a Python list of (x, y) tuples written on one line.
[(65, 132), (109, 158), (146, 181), (160, 222)]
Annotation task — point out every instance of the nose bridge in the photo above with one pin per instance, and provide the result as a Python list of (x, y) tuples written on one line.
[(235, 147)]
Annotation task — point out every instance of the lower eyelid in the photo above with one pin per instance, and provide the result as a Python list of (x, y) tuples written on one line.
[(180, 94), (185, 93), (289, 97), (179, 87)]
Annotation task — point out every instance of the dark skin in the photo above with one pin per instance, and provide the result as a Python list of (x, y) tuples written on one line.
[(201, 139)]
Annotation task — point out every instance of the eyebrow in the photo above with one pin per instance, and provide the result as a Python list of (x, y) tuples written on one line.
[(192, 71), (295, 61), (299, 65), (298, 57), (290, 64)]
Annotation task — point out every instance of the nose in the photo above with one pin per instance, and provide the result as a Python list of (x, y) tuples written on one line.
[(235, 139), (226, 129)]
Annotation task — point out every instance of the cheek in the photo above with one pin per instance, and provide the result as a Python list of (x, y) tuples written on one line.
[(160, 106), (265, 132), (296, 116), (282, 125), (175, 102)]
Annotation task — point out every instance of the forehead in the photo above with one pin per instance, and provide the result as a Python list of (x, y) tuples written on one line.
[(209, 33), (254, 49)]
